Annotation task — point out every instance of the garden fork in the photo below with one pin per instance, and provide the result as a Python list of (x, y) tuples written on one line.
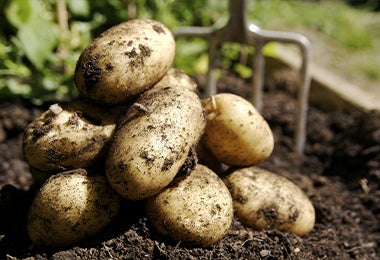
[(239, 30)]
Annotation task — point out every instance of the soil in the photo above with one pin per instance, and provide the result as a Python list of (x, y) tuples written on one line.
[(340, 172)]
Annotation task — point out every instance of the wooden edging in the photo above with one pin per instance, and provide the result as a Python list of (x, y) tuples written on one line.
[(329, 90)]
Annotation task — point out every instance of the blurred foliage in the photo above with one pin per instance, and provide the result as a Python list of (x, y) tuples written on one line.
[(348, 26), (39, 44), (41, 40), (345, 39)]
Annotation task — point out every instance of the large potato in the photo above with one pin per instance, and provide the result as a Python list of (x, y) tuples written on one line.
[(69, 137), (196, 208), (236, 133), (70, 207), (154, 141), (124, 61), (264, 200)]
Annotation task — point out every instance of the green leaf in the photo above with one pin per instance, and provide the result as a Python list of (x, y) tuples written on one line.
[(79, 7), (38, 36), (18, 12), (51, 82), (201, 64), (38, 40), (18, 88), (4, 50), (16, 69), (243, 71), (271, 49)]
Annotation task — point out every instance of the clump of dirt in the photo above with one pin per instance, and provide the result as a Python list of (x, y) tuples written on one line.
[(340, 172)]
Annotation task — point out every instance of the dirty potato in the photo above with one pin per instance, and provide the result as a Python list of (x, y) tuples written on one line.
[(70, 207), (153, 141), (264, 200), (68, 137), (236, 133), (124, 61), (195, 209)]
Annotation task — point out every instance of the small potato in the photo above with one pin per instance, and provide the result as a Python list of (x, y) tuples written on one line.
[(195, 209), (124, 61), (154, 141), (65, 138), (176, 77), (236, 133), (70, 207), (264, 200)]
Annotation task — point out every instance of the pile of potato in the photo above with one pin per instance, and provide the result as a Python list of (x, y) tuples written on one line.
[(140, 132)]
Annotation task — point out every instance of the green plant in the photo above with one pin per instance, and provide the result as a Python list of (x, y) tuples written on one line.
[(39, 48), (41, 40)]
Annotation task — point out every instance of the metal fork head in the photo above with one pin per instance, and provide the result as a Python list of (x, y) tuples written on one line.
[(238, 30)]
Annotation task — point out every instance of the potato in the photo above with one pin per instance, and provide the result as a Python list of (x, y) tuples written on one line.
[(70, 137), (236, 133), (124, 61), (195, 209), (154, 141), (70, 207), (176, 77), (264, 200)]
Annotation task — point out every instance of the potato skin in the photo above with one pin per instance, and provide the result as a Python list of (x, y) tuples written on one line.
[(195, 209), (154, 141), (124, 61), (264, 200), (64, 138), (236, 133), (178, 78), (70, 207)]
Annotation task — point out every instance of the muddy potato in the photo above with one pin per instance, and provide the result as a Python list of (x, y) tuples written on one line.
[(176, 77), (236, 133), (68, 137), (195, 209), (153, 141), (124, 61), (264, 200), (70, 207)]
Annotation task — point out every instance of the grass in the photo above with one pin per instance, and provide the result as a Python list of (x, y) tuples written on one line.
[(344, 39)]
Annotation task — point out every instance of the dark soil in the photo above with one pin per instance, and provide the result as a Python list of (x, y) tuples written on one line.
[(340, 172)]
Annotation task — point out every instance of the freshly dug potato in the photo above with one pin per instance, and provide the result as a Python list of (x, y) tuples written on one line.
[(264, 200), (124, 61), (195, 209), (236, 133), (70, 207), (154, 141), (176, 77), (65, 138)]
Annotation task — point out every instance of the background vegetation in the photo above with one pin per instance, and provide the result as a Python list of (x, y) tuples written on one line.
[(41, 40)]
